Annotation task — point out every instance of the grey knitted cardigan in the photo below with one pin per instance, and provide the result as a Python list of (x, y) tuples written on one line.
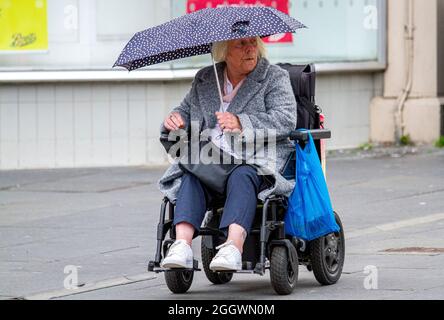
[(265, 100)]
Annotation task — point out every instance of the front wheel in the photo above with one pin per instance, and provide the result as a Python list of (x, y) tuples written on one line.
[(327, 256), (179, 281), (283, 273)]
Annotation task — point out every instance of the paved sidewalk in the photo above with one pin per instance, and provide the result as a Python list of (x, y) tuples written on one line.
[(104, 221)]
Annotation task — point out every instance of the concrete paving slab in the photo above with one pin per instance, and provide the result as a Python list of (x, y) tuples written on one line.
[(104, 220)]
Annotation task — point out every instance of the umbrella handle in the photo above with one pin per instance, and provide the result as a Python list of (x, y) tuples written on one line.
[(217, 81)]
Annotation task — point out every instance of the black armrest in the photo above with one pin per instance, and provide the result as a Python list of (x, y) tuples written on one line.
[(164, 136), (317, 134)]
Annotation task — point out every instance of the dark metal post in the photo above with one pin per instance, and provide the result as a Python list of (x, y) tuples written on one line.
[(263, 238), (160, 230)]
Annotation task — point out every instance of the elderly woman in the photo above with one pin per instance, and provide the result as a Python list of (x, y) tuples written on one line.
[(256, 95)]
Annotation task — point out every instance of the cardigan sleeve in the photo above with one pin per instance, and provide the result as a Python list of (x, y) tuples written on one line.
[(184, 108)]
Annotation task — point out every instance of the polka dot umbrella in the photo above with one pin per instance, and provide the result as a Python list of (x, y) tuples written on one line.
[(193, 34)]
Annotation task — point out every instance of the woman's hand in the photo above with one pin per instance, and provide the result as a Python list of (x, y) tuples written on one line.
[(229, 122), (174, 122)]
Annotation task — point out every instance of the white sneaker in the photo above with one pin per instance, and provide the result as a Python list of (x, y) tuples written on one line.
[(180, 255), (227, 258)]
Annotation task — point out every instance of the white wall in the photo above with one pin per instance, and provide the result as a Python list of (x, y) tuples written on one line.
[(65, 125), (345, 100), (422, 109), (117, 124)]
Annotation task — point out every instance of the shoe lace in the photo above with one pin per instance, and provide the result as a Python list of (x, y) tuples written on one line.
[(225, 253), (174, 247)]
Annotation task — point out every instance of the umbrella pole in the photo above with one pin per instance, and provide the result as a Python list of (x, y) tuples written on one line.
[(217, 81)]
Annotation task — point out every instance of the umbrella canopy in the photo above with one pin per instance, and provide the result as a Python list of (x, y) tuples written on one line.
[(193, 34)]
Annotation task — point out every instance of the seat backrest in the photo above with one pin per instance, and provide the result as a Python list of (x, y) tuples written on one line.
[(303, 82)]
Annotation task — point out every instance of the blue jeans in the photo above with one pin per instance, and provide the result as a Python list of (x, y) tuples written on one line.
[(240, 204)]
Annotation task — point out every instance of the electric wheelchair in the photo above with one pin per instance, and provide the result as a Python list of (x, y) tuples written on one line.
[(266, 247)]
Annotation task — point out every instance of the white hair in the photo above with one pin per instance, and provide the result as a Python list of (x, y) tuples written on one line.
[(219, 50)]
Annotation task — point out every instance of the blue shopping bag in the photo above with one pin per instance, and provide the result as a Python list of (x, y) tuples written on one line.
[(309, 213)]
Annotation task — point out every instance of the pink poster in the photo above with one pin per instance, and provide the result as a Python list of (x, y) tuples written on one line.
[(281, 5)]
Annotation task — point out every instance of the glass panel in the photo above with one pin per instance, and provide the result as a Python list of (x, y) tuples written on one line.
[(338, 31), (89, 35)]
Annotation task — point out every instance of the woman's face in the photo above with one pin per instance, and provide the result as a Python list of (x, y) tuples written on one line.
[(242, 55)]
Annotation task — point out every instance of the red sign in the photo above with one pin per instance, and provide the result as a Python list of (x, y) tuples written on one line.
[(281, 5)]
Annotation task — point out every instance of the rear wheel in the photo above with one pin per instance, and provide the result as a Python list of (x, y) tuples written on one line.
[(283, 273), (179, 281), (327, 256), (214, 277)]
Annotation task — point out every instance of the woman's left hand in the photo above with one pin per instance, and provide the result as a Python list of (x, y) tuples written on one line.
[(229, 122)]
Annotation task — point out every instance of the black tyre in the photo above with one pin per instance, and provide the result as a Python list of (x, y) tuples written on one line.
[(283, 273), (179, 281), (327, 255), (214, 277)]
